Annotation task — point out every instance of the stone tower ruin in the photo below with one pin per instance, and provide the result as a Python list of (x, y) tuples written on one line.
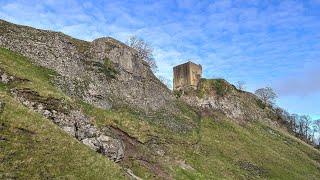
[(186, 76)]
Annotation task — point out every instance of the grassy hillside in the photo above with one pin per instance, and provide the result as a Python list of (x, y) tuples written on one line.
[(32, 147), (187, 145), (252, 151)]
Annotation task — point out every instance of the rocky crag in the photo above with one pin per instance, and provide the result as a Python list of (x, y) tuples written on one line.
[(104, 72), (219, 95)]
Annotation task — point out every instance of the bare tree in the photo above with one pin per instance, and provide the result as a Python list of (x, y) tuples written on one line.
[(144, 49), (317, 124), (293, 122), (312, 136), (301, 125), (241, 85), (317, 128), (267, 95), (306, 122)]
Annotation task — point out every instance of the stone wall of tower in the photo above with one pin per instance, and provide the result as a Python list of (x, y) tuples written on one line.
[(186, 75)]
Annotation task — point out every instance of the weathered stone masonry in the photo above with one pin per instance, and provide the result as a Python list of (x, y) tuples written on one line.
[(186, 75)]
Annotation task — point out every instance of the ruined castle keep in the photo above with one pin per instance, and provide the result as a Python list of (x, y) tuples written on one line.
[(186, 76)]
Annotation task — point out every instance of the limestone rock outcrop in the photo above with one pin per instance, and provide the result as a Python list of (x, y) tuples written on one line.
[(219, 95), (104, 72), (74, 122)]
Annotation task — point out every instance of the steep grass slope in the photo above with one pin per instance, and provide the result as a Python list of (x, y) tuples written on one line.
[(228, 150), (32, 147), (194, 146)]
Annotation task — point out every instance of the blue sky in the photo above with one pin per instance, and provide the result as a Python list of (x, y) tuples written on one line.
[(264, 43)]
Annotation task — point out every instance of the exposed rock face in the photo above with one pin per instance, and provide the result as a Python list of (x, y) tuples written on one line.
[(77, 61), (73, 122), (219, 95), (231, 106)]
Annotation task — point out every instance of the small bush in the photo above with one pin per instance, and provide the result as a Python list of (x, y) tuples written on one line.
[(261, 104), (217, 86), (178, 93), (107, 67), (220, 87)]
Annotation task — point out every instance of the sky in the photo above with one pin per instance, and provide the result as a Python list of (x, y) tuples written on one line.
[(272, 43)]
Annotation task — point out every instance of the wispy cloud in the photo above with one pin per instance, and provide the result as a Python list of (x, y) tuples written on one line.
[(300, 84)]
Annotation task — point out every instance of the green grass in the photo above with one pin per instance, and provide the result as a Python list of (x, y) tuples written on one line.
[(35, 148), (107, 68), (223, 144), (217, 147), (141, 125), (39, 78), (219, 86), (125, 118)]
